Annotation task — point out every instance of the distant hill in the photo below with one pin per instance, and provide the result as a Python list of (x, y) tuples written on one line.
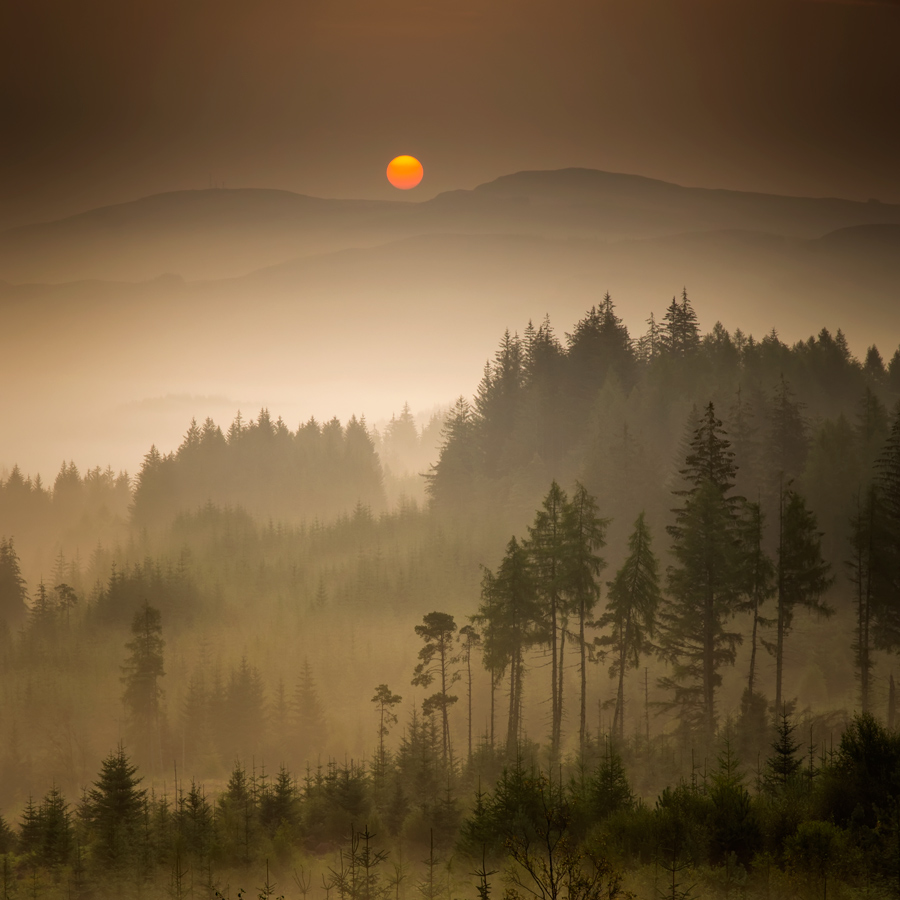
[(226, 233), (337, 307)]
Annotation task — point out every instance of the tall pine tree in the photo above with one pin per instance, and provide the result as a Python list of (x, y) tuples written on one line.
[(706, 583), (631, 608)]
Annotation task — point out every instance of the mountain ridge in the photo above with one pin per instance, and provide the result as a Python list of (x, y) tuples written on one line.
[(212, 233)]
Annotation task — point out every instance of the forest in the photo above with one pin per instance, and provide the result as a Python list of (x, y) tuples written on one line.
[(621, 624)]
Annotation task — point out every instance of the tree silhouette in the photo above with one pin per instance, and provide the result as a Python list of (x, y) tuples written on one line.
[(141, 675), (437, 630), (631, 608)]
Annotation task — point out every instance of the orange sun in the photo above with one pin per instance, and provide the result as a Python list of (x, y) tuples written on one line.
[(404, 172)]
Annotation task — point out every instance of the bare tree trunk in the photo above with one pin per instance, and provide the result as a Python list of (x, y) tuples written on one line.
[(753, 646), (779, 641), (557, 737), (512, 725), (619, 714), (554, 677), (582, 728), (469, 671)]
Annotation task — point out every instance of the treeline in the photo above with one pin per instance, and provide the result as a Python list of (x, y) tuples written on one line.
[(608, 410), (263, 467), (76, 509), (319, 471)]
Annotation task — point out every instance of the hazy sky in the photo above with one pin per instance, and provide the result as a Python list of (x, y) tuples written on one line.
[(106, 100)]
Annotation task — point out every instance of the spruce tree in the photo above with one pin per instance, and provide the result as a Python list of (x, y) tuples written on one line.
[(13, 593), (453, 481), (868, 568), (57, 832), (888, 486), (802, 576), (280, 806), (759, 582), (609, 789), (598, 347), (497, 403), (114, 812), (548, 549), (141, 675), (585, 534), (680, 333), (706, 583), (242, 722), (194, 822), (788, 443), (510, 620), (631, 608), (309, 715), (783, 765), (31, 830)]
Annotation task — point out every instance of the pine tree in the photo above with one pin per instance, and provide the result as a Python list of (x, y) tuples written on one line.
[(871, 429), (783, 765), (280, 806), (57, 832), (13, 593), (547, 547), (802, 576), (8, 839), (311, 725), (788, 443), (498, 401), (509, 617), (585, 534), (141, 675), (384, 701), (893, 371), (734, 830), (759, 582), (634, 599), (868, 568), (609, 789), (437, 630), (243, 721), (649, 344), (66, 599), (469, 640), (31, 830), (194, 822), (42, 617), (114, 811), (706, 583), (238, 815), (888, 486), (680, 335), (599, 347), (453, 481), (744, 435)]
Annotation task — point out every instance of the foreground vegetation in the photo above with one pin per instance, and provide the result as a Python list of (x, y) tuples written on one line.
[(807, 822)]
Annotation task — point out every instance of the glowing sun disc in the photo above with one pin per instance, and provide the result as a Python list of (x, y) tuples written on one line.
[(404, 172)]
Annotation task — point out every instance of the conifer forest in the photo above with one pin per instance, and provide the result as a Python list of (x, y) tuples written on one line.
[(623, 624)]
